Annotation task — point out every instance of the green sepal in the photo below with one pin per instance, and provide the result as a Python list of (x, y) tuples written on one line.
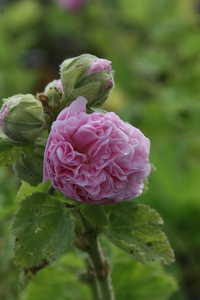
[(26, 189), (89, 91), (69, 79)]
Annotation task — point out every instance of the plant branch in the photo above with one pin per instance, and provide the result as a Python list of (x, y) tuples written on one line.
[(88, 241), (91, 280), (102, 270)]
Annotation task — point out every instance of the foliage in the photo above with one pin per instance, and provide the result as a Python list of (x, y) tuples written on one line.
[(154, 46), (43, 231), (136, 229)]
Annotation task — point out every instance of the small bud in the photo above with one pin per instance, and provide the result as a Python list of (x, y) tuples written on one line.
[(87, 76), (54, 93), (54, 88), (22, 118), (52, 100)]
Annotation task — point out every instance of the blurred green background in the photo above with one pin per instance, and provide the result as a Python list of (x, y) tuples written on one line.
[(155, 49)]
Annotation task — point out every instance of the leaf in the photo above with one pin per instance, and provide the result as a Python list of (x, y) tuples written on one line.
[(151, 282), (95, 215), (9, 152), (10, 156), (26, 189), (136, 229), (59, 281), (43, 231), (61, 197)]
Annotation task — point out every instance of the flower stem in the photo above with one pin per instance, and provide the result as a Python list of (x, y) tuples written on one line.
[(92, 281), (87, 240), (101, 269)]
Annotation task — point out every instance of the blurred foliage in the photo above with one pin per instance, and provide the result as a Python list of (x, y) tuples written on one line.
[(155, 49)]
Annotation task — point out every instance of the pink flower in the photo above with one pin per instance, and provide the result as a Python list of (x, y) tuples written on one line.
[(99, 65), (72, 5), (95, 157)]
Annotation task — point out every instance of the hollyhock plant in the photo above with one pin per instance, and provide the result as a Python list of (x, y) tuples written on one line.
[(96, 157), (69, 156)]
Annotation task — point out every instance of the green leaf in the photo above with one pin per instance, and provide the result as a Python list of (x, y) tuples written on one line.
[(136, 229), (29, 167), (43, 231), (10, 156), (9, 152), (26, 189), (95, 215)]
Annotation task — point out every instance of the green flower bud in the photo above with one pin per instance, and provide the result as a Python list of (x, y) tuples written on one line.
[(54, 93), (51, 100), (22, 118), (87, 76)]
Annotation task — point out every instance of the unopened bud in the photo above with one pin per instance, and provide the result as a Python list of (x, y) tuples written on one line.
[(87, 76), (52, 101), (22, 118)]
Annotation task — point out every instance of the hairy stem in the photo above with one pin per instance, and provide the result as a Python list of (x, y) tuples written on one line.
[(87, 240), (92, 281), (101, 269)]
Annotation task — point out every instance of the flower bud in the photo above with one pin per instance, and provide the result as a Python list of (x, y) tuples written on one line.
[(22, 118), (53, 97), (87, 76), (54, 91)]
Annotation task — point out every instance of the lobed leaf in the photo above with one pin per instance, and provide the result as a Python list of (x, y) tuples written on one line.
[(135, 228), (43, 231)]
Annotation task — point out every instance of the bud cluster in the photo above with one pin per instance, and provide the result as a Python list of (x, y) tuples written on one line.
[(27, 119), (85, 75)]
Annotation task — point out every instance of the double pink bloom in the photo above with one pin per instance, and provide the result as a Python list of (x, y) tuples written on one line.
[(96, 157)]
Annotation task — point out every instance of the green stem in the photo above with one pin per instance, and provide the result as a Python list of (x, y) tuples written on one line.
[(101, 270), (87, 241), (92, 281)]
